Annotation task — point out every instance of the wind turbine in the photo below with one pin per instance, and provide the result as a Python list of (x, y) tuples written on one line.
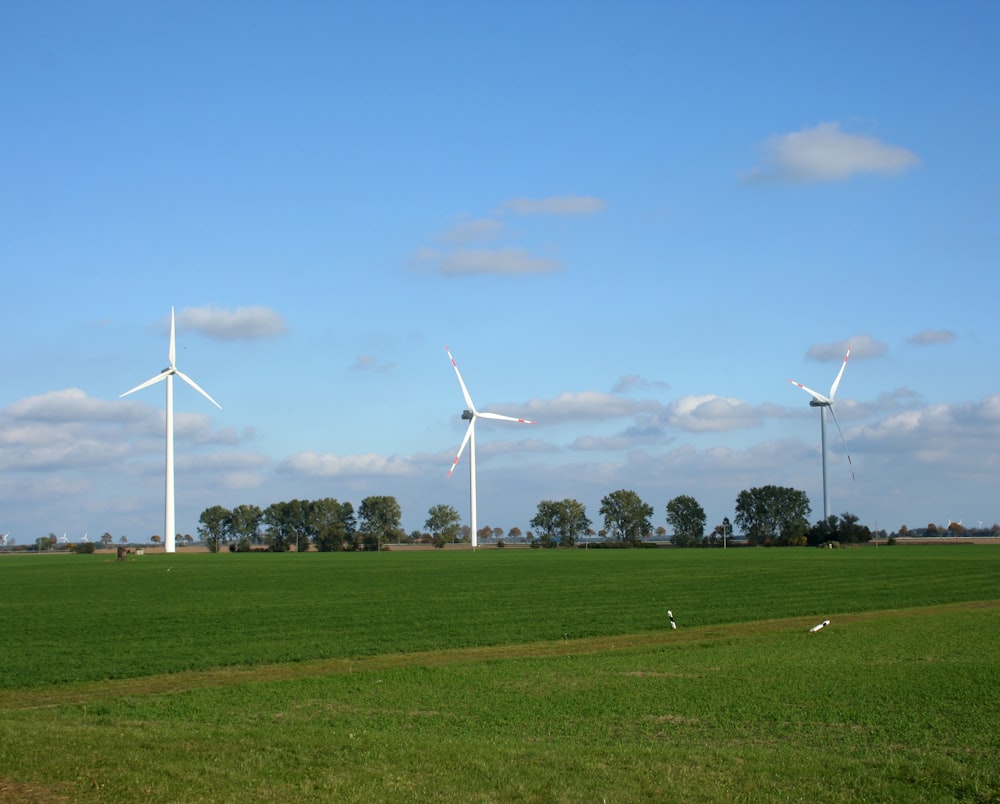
[(168, 375), (470, 415), (824, 403)]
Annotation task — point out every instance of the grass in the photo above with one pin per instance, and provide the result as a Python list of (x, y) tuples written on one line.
[(517, 676)]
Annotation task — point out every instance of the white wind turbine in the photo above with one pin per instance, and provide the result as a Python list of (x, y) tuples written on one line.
[(168, 375), (470, 438), (823, 403)]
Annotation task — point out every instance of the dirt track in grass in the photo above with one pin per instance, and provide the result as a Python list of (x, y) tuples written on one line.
[(69, 694)]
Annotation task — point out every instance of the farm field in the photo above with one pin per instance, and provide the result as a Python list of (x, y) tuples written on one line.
[(503, 676)]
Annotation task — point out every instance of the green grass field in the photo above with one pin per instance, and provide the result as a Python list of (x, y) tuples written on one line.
[(503, 676)]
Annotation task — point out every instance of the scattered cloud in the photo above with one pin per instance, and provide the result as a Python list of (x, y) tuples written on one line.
[(585, 405), (473, 231), (931, 337), (629, 439), (631, 383), (67, 405), (369, 465), (479, 262), (556, 205), (827, 154), (243, 323), (862, 348), (371, 363), (710, 413)]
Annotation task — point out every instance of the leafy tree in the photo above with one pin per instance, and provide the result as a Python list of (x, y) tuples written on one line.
[(244, 525), (626, 516), (687, 518), (844, 529), (214, 528), (155, 539), (773, 515), (333, 524), (106, 539), (514, 534), (287, 525), (560, 522), (380, 518), (444, 524)]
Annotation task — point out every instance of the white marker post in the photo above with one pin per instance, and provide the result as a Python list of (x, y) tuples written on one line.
[(816, 628), (670, 614)]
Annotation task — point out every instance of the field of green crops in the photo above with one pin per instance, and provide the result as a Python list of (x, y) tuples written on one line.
[(517, 675)]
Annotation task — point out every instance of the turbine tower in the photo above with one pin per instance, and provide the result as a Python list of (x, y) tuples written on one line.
[(168, 375), (824, 403), (470, 415)]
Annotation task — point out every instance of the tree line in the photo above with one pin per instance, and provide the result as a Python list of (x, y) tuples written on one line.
[(766, 516)]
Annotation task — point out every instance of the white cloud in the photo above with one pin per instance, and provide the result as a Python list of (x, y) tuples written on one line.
[(862, 348), (710, 413), (633, 382), (243, 323), (371, 465), (585, 405), (825, 154), (473, 231), (503, 262), (67, 405), (931, 337), (371, 363), (558, 205)]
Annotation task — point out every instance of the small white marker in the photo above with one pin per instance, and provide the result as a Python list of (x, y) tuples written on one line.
[(670, 614), (816, 628)]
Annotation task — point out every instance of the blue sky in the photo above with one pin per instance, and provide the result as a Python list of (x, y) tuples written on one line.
[(631, 222)]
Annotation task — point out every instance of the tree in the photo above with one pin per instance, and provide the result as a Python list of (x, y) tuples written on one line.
[(287, 525), (155, 539), (333, 524), (444, 524), (380, 518), (244, 525), (844, 529), (514, 534), (214, 528), (687, 518), (626, 516), (106, 539), (773, 515), (561, 523)]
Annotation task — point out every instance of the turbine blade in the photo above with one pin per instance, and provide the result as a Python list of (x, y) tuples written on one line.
[(196, 387), (173, 348), (836, 382), (501, 417), (843, 441), (461, 449), (815, 394), (465, 391), (161, 376)]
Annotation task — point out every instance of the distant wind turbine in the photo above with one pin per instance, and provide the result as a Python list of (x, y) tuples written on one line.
[(471, 415), (3, 539), (824, 403), (168, 375)]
